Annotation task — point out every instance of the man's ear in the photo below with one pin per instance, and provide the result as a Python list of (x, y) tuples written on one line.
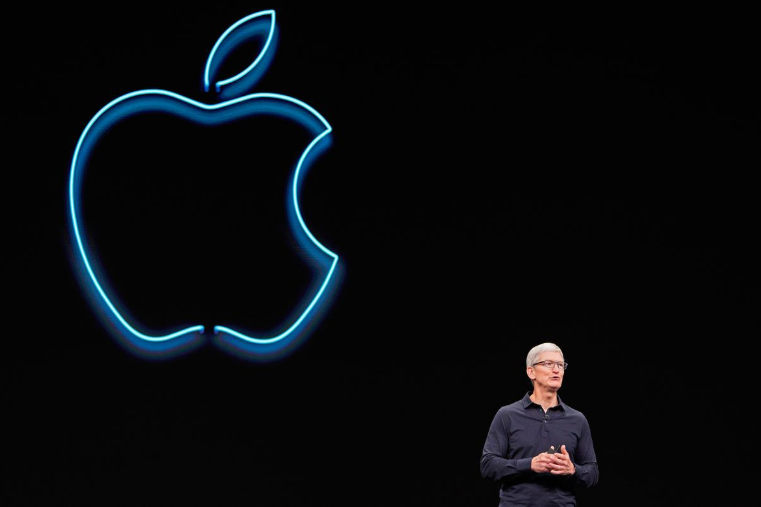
[(530, 373)]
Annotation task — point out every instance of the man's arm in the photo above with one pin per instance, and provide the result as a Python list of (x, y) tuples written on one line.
[(494, 465), (585, 459)]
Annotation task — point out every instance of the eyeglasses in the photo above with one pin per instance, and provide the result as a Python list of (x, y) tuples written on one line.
[(550, 365)]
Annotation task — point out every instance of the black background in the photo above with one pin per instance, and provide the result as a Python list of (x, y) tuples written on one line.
[(494, 182)]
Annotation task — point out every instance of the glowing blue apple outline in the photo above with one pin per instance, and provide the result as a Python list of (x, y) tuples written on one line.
[(156, 100)]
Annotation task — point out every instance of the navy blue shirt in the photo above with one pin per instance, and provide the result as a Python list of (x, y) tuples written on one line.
[(521, 431)]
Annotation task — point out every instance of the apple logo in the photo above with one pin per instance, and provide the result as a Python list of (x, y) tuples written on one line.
[(234, 106)]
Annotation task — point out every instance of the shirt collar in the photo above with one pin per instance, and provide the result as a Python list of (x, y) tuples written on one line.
[(527, 401)]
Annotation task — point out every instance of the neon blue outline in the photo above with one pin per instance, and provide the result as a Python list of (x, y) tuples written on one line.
[(156, 100), (219, 84), (297, 210)]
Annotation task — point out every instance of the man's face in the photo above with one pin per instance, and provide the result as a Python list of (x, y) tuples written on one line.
[(551, 378)]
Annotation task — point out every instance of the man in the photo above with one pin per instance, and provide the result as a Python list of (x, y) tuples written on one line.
[(539, 447)]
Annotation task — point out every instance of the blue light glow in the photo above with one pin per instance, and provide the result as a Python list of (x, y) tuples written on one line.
[(147, 349), (248, 27), (170, 103)]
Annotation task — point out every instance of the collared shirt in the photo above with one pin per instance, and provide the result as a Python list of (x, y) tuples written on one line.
[(523, 430)]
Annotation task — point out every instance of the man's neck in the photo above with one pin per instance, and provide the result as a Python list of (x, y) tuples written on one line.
[(546, 399)]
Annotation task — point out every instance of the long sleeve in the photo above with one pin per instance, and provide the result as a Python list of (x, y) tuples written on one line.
[(494, 465), (585, 459)]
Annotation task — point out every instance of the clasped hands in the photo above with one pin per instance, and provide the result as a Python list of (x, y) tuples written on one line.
[(558, 463)]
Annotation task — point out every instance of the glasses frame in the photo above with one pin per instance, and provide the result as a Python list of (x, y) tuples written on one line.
[(561, 367)]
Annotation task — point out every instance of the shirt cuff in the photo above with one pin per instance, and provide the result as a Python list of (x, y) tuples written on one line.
[(523, 464)]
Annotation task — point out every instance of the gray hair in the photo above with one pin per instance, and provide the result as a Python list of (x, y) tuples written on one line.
[(542, 347)]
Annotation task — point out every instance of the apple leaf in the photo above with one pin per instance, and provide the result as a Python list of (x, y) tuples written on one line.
[(260, 24)]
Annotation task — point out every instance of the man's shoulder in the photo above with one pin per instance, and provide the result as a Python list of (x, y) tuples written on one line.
[(572, 412), (514, 407)]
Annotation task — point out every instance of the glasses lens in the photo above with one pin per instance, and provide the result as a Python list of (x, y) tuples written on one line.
[(550, 365)]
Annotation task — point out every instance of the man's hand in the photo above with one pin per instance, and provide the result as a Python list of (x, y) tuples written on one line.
[(561, 463), (558, 463), (542, 462)]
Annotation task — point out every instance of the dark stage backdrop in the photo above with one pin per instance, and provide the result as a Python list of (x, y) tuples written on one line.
[(492, 183)]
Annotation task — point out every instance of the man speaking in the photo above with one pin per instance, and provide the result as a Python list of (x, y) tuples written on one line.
[(539, 447)]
